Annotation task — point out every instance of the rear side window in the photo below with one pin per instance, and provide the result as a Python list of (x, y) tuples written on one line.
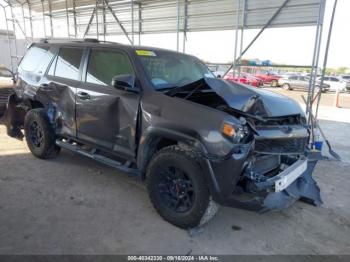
[(333, 79), (36, 60), (67, 63), (104, 65)]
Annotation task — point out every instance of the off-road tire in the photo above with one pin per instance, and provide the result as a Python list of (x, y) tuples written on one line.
[(47, 149), (187, 161), (286, 87), (274, 83)]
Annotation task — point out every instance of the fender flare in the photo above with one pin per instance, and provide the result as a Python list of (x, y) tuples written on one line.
[(153, 135)]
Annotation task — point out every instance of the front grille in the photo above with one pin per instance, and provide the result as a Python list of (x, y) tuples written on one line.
[(281, 146)]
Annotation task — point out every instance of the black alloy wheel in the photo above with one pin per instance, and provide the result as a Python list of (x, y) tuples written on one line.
[(36, 134), (176, 190)]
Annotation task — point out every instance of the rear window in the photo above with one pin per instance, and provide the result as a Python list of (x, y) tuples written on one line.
[(67, 63), (36, 60)]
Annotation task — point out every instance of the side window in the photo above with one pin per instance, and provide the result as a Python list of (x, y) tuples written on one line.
[(67, 63), (333, 79), (36, 60), (104, 65), (293, 78)]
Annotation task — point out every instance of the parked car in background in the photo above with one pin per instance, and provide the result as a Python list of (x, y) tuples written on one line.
[(268, 78), (244, 78), (299, 82), (335, 83), (346, 78)]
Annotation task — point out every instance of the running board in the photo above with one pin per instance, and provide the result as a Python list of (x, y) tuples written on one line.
[(102, 159)]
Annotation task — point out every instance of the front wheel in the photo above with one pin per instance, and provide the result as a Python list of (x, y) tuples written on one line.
[(286, 86), (274, 83), (177, 188), (39, 134)]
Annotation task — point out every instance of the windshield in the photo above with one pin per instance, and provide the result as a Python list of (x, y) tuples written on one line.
[(168, 70)]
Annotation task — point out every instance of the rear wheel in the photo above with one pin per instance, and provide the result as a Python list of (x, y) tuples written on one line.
[(286, 86), (177, 188), (39, 134), (274, 83)]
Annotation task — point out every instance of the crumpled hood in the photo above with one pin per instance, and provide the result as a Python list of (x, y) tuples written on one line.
[(268, 104)]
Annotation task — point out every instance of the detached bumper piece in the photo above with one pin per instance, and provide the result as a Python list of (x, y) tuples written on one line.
[(279, 191), (302, 187)]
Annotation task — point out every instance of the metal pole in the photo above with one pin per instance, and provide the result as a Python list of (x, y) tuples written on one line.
[(24, 25), (116, 19), (30, 20), (326, 54), (315, 60), (90, 21), (238, 3), (140, 22), (96, 15), (242, 33), (261, 31), (185, 26), (74, 19), (15, 35), (321, 15), (104, 21), (132, 22), (50, 11), (67, 18), (8, 36), (177, 25), (43, 11)]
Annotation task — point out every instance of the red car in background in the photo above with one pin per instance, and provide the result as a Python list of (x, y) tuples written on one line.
[(268, 78), (244, 78)]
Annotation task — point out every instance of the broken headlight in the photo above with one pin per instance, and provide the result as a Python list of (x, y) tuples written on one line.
[(235, 133)]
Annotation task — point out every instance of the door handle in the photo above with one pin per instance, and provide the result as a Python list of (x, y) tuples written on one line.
[(83, 95)]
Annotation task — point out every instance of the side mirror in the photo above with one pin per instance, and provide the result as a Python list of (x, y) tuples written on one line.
[(5, 72), (125, 82)]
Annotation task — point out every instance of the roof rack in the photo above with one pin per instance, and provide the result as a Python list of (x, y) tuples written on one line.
[(79, 40)]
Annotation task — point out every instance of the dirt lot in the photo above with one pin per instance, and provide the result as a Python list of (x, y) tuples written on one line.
[(72, 205)]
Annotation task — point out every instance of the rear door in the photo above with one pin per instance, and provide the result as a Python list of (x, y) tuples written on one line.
[(107, 116), (294, 82), (60, 85), (304, 82)]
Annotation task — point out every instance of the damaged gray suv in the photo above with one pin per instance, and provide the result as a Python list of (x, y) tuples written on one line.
[(197, 141)]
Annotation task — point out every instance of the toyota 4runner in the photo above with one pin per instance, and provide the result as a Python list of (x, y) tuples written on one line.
[(196, 140)]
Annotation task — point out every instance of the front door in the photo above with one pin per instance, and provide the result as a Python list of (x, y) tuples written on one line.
[(107, 116)]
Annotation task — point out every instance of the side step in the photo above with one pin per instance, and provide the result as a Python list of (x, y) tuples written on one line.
[(100, 158)]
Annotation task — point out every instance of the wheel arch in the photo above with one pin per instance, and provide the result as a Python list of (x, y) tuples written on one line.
[(155, 139)]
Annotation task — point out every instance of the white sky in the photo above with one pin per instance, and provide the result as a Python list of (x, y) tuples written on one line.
[(286, 46)]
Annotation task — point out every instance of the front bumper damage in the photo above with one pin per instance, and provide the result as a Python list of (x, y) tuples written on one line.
[(292, 184), (270, 174), (274, 193)]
